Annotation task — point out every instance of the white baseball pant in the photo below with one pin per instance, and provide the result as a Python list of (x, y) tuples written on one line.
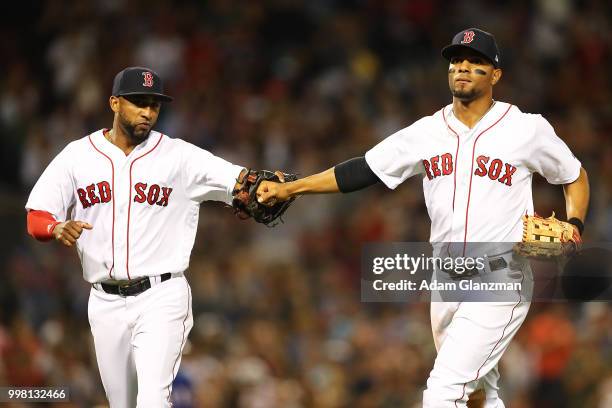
[(470, 338), (139, 342)]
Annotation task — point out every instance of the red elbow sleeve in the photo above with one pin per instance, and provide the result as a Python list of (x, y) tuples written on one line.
[(41, 224)]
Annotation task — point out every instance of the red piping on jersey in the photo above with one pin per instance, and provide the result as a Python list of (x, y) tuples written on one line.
[(454, 174), (456, 157), (496, 344), (467, 209), (127, 239), (112, 199)]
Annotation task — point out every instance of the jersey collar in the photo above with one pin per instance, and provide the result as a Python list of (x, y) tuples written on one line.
[(493, 115), (107, 147)]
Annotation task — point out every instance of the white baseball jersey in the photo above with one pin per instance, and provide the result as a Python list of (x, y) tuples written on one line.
[(477, 186), (477, 182), (144, 207)]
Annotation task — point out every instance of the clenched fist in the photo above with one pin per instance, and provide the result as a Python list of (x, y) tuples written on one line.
[(270, 193), (69, 231)]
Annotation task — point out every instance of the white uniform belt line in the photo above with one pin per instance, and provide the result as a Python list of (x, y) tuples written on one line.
[(493, 263)]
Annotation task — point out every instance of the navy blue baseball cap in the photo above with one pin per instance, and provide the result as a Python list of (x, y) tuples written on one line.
[(475, 39), (139, 81)]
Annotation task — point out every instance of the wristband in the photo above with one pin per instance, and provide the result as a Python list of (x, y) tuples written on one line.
[(577, 223), (40, 224)]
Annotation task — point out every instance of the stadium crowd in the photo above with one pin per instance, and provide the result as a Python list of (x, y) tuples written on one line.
[(299, 86)]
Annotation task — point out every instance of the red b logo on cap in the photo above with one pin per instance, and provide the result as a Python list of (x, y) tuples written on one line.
[(468, 37), (148, 79)]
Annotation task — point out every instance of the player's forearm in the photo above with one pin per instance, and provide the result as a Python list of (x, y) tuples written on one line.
[(40, 225), (351, 175), (320, 183), (577, 196)]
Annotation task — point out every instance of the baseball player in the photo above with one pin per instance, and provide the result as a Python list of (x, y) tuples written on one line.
[(476, 157), (128, 199)]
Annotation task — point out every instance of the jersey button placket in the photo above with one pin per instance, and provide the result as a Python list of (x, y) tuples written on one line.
[(122, 193), (462, 167)]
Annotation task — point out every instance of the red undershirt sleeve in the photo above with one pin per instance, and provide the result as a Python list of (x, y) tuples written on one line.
[(41, 224)]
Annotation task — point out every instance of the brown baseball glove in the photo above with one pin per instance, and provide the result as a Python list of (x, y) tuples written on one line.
[(245, 202), (547, 238)]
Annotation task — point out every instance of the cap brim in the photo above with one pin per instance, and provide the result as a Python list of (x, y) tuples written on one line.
[(161, 97), (451, 50)]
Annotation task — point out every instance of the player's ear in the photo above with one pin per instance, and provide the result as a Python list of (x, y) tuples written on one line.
[(113, 101), (497, 74)]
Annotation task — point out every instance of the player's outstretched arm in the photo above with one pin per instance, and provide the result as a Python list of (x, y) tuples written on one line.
[(351, 175), (324, 182), (577, 200), (43, 227)]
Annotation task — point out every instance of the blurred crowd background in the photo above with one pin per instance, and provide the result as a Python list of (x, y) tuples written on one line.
[(296, 85)]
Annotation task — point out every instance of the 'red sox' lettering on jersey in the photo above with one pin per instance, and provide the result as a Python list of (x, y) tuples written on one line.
[(442, 165), (101, 193), (153, 195), (494, 169), (94, 194), (493, 162), (160, 178)]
